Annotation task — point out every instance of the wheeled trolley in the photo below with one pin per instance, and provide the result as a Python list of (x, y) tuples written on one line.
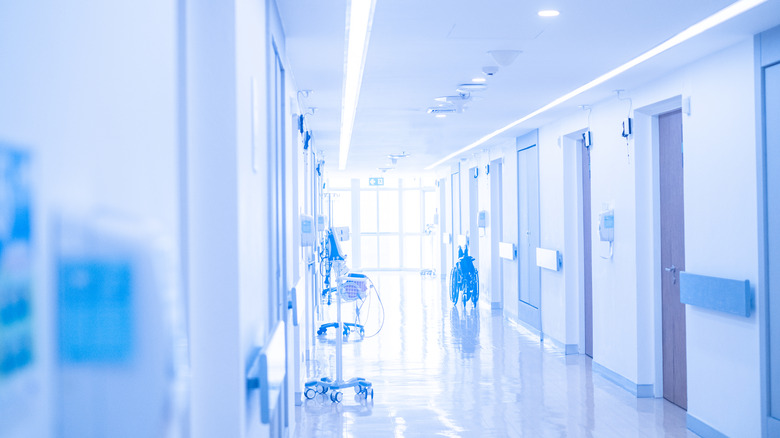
[(350, 287)]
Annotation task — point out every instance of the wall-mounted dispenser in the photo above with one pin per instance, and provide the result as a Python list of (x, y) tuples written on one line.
[(308, 234), (607, 225)]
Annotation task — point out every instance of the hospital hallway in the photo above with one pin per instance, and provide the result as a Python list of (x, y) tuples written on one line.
[(198, 198), (438, 370)]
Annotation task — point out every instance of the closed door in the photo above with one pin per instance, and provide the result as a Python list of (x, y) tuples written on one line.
[(455, 203), (672, 258), (586, 249), (473, 215), (529, 278), (496, 231), (772, 242)]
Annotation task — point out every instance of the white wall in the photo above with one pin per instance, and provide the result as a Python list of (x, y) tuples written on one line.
[(230, 197), (216, 385), (723, 351), (720, 233), (721, 238)]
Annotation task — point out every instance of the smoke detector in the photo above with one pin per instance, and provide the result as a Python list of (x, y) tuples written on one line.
[(490, 70)]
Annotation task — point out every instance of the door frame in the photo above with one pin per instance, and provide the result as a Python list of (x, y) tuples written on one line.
[(526, 312), (767, 55), (574, 237), (496, 177), (648, 243)]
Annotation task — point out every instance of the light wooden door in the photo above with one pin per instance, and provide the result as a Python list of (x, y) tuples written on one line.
[(672, 258), (587, 273)]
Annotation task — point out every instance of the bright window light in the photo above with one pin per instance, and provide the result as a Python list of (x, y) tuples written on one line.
[(713, 20), (549, 13), (360, 15)]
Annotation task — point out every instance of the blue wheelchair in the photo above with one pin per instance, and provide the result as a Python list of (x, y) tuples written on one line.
[(464, 279)]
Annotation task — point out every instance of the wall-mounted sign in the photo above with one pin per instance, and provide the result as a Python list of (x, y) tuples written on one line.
[(376, 181)]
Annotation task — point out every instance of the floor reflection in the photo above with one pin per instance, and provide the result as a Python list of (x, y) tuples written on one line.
[(464, 324), (440, 370)]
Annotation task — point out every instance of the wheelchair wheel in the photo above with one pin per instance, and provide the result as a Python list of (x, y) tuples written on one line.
[(454, 285)]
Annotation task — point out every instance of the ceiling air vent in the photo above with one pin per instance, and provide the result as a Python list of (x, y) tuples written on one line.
[(441, 110)]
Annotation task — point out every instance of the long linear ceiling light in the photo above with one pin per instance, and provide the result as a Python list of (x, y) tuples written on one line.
[(359, 17), (713, 20)]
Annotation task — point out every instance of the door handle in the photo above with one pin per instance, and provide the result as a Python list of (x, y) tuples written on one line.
[(673, 270)]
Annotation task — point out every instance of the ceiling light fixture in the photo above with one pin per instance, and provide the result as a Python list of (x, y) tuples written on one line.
[(549, 13), (504, 58), (359, 18), (468, 88), (713, 20), (401, 155), (441, 116), (478, 80)]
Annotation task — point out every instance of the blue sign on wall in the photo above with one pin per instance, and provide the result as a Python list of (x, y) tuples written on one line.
[(95, 311), (376, 181), (16, 310)]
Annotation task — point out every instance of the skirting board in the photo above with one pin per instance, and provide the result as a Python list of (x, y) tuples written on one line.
[(701, 428), (566, 348), (522, 324), (639, 391)]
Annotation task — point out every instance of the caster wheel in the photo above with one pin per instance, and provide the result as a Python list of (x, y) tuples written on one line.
[(362, 333), (336, 397), (310, 393), (370, 392), (357, 389)]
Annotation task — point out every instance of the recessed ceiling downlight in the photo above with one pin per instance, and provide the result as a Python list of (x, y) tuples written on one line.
[(549, 13)]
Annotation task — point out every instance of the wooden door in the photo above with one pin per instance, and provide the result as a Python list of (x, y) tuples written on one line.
[(672, 258), (587, 273)]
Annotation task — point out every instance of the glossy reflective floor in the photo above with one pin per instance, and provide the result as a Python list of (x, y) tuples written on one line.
[(438, 370)]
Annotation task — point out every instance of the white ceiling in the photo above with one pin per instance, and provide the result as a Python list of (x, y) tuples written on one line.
[(420, 50)]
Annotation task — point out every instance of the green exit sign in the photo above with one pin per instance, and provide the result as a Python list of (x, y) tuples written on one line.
[(376, 181)]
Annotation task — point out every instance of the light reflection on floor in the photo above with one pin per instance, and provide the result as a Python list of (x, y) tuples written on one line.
[(438, 370)]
